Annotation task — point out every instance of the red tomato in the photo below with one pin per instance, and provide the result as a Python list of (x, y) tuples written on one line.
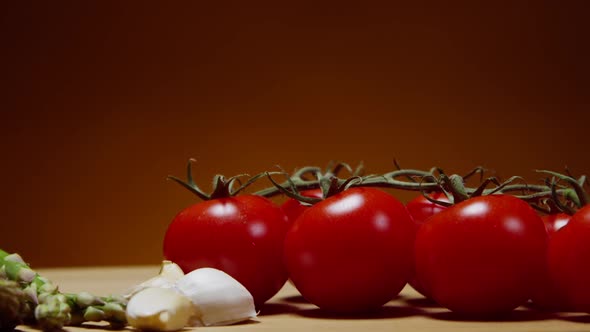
[(569, 255), (351, 252), (547, 296), (554, 222), (421, 209), (482, 256), (241, 235), (293, 208)]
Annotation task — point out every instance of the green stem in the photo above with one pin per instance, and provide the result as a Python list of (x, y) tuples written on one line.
[(433, 180), (580, 198), (222, 187), (455, 185), (388, 180), (299, 185)]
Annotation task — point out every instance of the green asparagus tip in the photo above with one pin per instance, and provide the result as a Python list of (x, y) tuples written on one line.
[(52, 314)]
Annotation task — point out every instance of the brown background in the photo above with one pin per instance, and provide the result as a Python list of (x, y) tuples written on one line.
[(100, 102)]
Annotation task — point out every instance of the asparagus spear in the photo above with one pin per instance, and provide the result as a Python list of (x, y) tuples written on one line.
[(52, 309), (13, 305)]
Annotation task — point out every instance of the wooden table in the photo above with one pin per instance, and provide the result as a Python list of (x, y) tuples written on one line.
[(288, 311)]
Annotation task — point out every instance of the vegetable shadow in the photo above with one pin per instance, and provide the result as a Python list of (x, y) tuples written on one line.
[(581, 318), (295, 299), (102, 326), (513, 316), (385, 312), (422, 302), (271, 309), (245, 322), (301, 299)]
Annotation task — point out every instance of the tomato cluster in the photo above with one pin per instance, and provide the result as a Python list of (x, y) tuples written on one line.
[(355, 249), (490, 254)]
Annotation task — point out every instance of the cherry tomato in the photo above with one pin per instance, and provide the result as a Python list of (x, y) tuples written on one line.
[(351, 252), (546, 295), (554, 222), (241, 235), (421, 209), (569, 255), (482, 256), (293, 208)]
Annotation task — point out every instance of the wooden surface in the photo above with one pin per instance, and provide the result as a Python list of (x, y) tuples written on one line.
[(289, 311)]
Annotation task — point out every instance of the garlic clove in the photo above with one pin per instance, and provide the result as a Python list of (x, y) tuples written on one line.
[(169, 273), (218, 298), (159, 309)]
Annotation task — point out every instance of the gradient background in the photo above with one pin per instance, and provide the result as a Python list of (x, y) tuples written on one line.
[(100, 101)]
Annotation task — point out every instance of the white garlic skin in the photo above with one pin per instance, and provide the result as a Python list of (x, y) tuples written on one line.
[(159, 309), (218, 298), (169, 273)]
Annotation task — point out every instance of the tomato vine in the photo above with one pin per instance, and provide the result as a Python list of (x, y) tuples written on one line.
[(551, 196)]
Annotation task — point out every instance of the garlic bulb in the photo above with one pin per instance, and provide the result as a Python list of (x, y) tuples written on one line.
[(218, 298), (169, 273), (159, 309)]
